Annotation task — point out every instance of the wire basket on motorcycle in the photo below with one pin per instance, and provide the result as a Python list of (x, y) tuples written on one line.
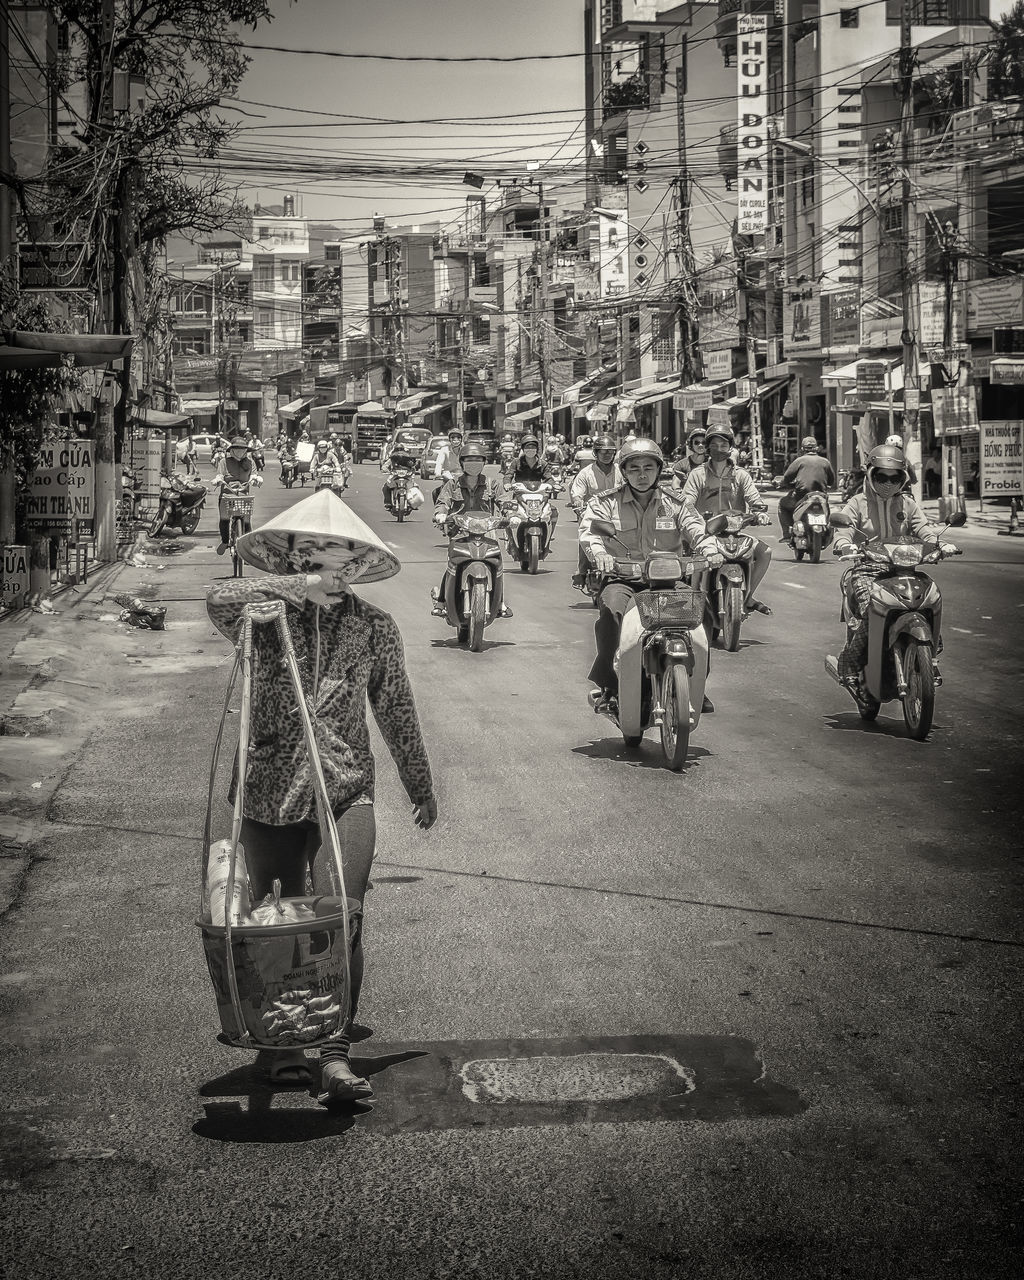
[(680, 607), (240, 506)]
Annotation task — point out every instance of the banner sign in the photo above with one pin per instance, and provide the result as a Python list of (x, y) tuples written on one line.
[(871, 379), (801, 309), (752, 118), (955, 409), (1002, 460), (1006, 373), (62, 486), (841, 320), (995, 302), (718, 364), (932, 320), (16, 577)]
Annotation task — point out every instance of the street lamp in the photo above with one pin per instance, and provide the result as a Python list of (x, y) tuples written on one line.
[(792, 147)]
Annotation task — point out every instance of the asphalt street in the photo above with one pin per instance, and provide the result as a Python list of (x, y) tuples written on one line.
[(757, 1019)]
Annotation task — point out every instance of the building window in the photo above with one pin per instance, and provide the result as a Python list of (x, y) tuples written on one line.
[(264, 322), (849, 17), (807, 186), (263, 232), (937, 13)]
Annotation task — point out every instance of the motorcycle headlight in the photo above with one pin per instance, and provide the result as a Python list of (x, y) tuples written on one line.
[(904, 555), (664, 568)]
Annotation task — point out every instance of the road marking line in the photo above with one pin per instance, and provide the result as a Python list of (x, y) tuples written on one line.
[(962, 631), (797, 586)]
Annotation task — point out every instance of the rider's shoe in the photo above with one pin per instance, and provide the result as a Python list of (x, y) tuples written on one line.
[(505, 611), (437, 608), (604, 702), (707, 706), (222, 548), (757, 606), (579, 581)]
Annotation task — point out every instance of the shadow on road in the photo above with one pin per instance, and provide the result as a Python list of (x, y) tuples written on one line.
[(452, 643), (257, 1120), (850, 721), (615, 749)]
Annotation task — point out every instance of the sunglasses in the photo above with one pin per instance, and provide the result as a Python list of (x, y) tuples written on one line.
[(887, 477)]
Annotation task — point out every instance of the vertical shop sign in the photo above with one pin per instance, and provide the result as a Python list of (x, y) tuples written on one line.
[(1002, 460), (752, 119), (15, 583)]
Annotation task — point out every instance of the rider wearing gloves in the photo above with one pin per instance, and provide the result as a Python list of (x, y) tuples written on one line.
[(719, 485), (648, 519), (603, 473), (884, 512), (810, 473), (236, 471), (468, 492)]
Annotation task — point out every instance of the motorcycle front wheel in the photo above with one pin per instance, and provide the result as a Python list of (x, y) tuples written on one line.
[(919, 700), (732, 617), (156, 528), (533, 553), (815, 551), (400, 510), (477, 617), (675, 724), (190, 522)]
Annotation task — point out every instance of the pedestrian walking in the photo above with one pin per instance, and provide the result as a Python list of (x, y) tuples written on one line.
[(348, 651)]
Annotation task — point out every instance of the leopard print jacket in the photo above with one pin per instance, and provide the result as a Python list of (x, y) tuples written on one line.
[(360, 655)]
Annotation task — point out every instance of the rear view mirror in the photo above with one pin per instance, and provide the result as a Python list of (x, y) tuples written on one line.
[(958, 519), (840, 520)]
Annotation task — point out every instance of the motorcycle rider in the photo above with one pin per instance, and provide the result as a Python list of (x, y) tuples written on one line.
[(648, 519), (236, 472), (447, 466), (693, 457), (882, 510), (506, 451), (809, 473), (603, 473), (553, 454), (584, 454), (469, 491), (256, 449), (530, 466), (324, 459), (400, 459), (720, 485)]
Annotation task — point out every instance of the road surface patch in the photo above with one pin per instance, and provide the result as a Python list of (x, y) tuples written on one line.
[(582, 1077)]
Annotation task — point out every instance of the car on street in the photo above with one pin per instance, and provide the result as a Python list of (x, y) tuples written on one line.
[(429, 457), (204, 446)]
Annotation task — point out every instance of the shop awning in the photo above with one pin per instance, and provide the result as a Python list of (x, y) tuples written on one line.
[(700, 395), (198, 408), (643, 396), (412, 404), (425, 416), (161, 421), (294, 408), (22, 349), (520, 404), (524, 419), (603, 411), (371, 406), (571, 395)]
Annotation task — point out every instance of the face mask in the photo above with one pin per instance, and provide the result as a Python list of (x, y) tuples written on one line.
[(886, 488), (473, 466)]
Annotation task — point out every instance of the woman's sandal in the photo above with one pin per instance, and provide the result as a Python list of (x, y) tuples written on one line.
[(339, 1083)]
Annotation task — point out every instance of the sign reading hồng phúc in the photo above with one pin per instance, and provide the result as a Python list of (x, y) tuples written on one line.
[(62, 487), (1002, 460), (752, 119)]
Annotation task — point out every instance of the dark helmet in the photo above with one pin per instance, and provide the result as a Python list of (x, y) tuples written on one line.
[(641, 448), (698, 433), (726, 433), (473, 450), (886, 457), (605, 442), (238, 442), (809, 442), (529, 440), (455, 433)]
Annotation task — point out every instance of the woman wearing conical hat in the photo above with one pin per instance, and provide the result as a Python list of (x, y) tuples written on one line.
[(348, 650)]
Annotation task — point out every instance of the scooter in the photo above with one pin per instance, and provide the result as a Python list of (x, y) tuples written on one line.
[(662, 657), (728, 585), (811, 530), (336, 481), (530, 523), (406, 495), (557, 478), (181, 505), (904, 627), (473, 589), (287, 472)]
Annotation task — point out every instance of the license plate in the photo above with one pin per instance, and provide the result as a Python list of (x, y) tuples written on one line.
[(817, 521)]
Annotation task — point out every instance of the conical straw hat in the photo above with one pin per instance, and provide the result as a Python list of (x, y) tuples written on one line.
[(321, 531)]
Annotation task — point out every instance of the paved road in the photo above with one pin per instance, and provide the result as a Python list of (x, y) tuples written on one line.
[(792, 971)]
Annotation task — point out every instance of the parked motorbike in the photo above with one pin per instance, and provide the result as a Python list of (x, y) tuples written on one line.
[(728, 585), (904, 627), (181, 505), (530, 523), (662, 657), (811, 529), (473, 589)]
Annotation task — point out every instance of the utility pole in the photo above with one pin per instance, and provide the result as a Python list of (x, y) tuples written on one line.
[(542, 290), (7, 527), (911, 377)]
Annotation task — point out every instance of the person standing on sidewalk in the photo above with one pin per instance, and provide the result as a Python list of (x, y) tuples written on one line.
[(348, 651)]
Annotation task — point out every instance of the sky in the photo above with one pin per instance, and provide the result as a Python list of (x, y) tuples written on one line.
[(290, 103)]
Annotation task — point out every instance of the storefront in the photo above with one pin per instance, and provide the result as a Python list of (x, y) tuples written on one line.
[(529, 420), (438, 418), (291, 414)]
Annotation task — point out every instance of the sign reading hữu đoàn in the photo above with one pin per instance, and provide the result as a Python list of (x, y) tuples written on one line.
[(752, 119)]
